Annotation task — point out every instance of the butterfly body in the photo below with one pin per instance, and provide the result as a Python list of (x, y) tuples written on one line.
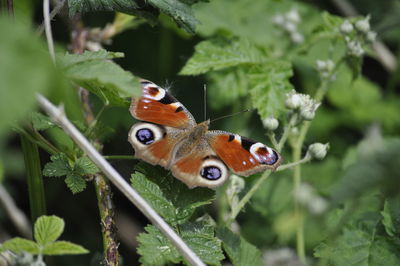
[(170, 137)]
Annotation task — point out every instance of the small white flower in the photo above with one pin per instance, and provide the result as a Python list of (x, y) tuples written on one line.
[(270, 123), (321, 65), (290, 26), (363, 25), (293, 100), (304, 193), (346, 27), (293, 15), (318, 205), (355, 48), (371, 36), (297, 37), (318, 150), (278, 20), (308, 107)]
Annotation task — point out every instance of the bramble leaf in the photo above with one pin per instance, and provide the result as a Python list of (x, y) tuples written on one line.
[(218, 54), (84, 166), (63, 248), (239, 251), (18, 244), (155, 249), (75, 183), (59, 166), (269, 84), (67, 59), (391, 216), (48, 229), (41, 122)]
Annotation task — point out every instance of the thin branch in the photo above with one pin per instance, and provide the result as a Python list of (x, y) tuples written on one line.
[(53, 13), (58, 115), (17, 216), (49, 35), (306, 159)]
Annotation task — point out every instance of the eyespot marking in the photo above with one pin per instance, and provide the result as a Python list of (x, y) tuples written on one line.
[(145, 136), (211, 172)]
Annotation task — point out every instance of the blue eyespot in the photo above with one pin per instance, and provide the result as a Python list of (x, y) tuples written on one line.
[(211, 172), (145, 136)]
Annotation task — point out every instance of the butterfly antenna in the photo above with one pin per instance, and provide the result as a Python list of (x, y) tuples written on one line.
[(225, 116), (205, 102)]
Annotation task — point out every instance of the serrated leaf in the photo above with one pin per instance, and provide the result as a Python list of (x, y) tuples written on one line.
[(68, 59), (75, 183), (63, 248), (218, 54), (155, 249), (357, 247), (239, 251), (47, 229), (269, 85), (41, 122), (354, 63), (169, 196), (18, 244), (84, 166), (179, 11), (59, 166), (391, 216), (103, 77)]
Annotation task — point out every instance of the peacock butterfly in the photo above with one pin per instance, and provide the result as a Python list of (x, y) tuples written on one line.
[(170, 137)]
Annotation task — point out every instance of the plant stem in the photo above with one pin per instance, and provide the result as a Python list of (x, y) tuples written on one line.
[(119, 157), (306, 159)]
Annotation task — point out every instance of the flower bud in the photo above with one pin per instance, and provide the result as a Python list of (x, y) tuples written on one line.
[(293, 100), (270, 123), (293, 15), (297, 37), (371, 36), (278, 20), (307, 112), (346, 27), (304, 193), (317, 205), (363, 25), (318, 150)]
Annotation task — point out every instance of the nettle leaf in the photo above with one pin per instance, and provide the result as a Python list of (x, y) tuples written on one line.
[(67, 59), (59, 166), (18, 244), (75, 183), (102, 77), (269, 85), (170, 197), (84, 166), (219, 54), (63, 248), (155, 249), (391, 216), (376, 169), (358, 247), (239, 251), (48, 229), (179, 10), (41, 122)]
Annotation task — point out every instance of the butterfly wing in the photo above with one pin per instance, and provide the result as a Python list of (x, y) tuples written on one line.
[(154, 143), (242, 155), (200, 168), (157, 106)]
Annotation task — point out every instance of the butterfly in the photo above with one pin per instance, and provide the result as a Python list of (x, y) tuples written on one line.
[(169, 136)]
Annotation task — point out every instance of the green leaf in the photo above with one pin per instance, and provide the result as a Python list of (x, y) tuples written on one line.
[(47, 229), (103, 77), (155, 249), (84, 166), (354, 63), (171, 198), (269, 84), (63, 248), (378, 168), (391, 216), (218, 54), (41, 122), (18, 244), (20, 50), (239, 251), (179, 10), (357, 247), (68, 59), (75, 183), (59, 166)]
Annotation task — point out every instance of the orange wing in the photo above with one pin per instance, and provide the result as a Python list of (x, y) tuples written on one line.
[(242, 155), (157, 106)]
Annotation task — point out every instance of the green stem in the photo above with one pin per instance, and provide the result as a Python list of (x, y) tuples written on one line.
[(306, 159), (286, 131), (34, 177), (271, 136), (247, 197), (119, 157)]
